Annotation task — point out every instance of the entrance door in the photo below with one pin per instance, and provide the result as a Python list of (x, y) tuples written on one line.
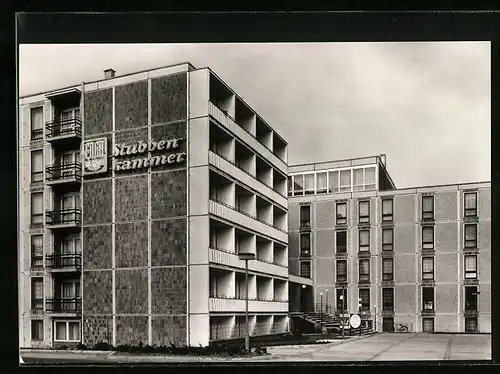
[(388, 324), (471, 325), (428, 324)]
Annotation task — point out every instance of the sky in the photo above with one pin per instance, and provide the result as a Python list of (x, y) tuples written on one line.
[(425, 105)]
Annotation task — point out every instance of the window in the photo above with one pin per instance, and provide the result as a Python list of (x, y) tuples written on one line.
[(305, 244), (428, 237), (470, 264), (470, 236), (71, 244), (470, 204), (321, 186), (428, 298), (387, 269), (214, 285), (37, 208), (427, 207), (364, 240), (213, 238), (341, 213), (387, 239), (341, 241), (358, 179), (37, 294), (428, 268), (363, 179), (364, 296), (333, 181), (471, 298), (37, 251), (388, 299), (298, 184), (387, 210), (309, 184), (305, 216), (36, 123), (67, 331), (290, 186), (364, 212), (342, 299), (428, 324), (364, 270), (341, 270), (305, 269), (36, 166), (345, 181), (37, 329)]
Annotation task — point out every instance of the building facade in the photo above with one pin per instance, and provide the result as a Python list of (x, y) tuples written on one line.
[(136, 193), (413, 259)]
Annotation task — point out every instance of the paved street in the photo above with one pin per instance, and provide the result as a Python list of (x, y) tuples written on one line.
[(377, 347), (393, 347)]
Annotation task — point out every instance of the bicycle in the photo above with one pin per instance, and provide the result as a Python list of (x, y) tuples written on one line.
[(401, 327)]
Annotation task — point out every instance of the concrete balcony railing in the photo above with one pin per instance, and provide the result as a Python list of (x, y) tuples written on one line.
[(238, 305), (231, 214), (246, 137), (231, 259), (238, 174)]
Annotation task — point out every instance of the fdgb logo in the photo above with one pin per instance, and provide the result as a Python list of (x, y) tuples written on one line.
[(95, 156)]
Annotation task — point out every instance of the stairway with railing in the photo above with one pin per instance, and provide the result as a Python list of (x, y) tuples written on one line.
[(328, 319)]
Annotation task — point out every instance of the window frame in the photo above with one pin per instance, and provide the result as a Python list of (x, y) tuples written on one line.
[(311, 190), (362, 277), (427, 258), (67, 322), (37, 338), (35, 131), (300, 269), (475, 272), (37, 172), (321, 190), (344, 248), (302, 249), (385, 306), (338, 274), (35, 215), (428, 215), (33, 256), (473, 241), (364, 247), (472, 210), (433, 308), (363, 307), (385, 275), (341, 220), (388, 217), (388, 245), (305, 223), (35, 300), (364, 218), (427, 245), (475, 290)]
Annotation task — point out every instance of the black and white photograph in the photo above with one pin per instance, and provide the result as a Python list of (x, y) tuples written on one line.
[(254, 202)]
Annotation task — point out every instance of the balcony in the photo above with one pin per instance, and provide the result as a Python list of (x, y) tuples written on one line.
[(64, 219), (217, 304), (228, 212), (36, 134), (64, 262), (67, 131), (65, 175), (61, 306)]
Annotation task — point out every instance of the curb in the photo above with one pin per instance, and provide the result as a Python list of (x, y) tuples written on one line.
[(71, 351)]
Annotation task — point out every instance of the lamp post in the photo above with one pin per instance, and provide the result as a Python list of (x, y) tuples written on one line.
[(321, 309), (326, 307), (246, 257), (359, 312), (343, 310)]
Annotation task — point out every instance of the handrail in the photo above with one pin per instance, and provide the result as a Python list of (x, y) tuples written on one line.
[(58, 128), (236, 254)]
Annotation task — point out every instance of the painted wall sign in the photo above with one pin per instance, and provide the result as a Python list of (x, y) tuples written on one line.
[(95, 156), (167, 145)]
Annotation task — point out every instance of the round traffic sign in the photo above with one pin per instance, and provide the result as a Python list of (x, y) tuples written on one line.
[(355, 321)]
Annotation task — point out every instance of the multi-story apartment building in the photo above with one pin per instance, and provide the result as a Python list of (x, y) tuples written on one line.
[(416, 259), (136, 194)]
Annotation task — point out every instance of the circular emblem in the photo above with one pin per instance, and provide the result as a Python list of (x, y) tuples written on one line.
[(355, 321), (93, 165)]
